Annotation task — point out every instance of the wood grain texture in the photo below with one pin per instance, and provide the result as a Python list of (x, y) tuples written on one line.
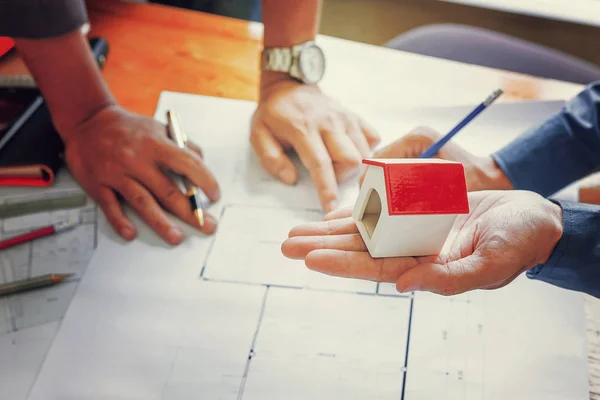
[(155, 48)]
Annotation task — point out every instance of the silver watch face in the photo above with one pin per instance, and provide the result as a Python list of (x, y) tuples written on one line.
[(311, 63)]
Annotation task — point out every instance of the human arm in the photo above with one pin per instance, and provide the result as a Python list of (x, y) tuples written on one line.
[(544, 159), (109, 151), (505, 234), (330, 140), (558, 152)]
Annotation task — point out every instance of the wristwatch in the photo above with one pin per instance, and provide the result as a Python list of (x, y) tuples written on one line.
[(304, 62)]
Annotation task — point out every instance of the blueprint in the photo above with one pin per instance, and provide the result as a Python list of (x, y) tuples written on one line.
[(227, 317)]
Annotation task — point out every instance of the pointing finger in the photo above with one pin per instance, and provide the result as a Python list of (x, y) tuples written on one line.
[(272, 156), (314, 156)]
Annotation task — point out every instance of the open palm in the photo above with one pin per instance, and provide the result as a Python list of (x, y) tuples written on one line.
[(506, 233)]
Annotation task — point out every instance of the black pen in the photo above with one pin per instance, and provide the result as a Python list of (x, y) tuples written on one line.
[(176, 134)]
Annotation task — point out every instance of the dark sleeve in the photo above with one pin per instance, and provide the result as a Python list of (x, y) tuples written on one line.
[(575, 262), (560, 151), (34, 19)]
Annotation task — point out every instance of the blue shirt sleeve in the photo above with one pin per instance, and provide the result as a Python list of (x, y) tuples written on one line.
[(558, 152), (575, 261)]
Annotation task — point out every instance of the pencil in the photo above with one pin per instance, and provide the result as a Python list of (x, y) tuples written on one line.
[(38, 233), (436, 147), (37, 282), (192, 192)]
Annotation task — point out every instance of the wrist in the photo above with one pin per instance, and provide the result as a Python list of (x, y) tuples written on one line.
[(269, 79), (68, 124), (490, 176), (68, 77), (554, 226)]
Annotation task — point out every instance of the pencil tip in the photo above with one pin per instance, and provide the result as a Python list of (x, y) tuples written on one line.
[(61, 277)]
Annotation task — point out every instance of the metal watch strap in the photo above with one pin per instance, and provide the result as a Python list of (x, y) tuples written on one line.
[(277, 59)]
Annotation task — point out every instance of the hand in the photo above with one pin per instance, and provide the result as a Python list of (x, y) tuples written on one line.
[(119, 153), (505, 234), (481, 173), (330, 141)]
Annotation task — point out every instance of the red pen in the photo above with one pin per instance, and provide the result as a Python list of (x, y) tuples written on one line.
[(40, 233)]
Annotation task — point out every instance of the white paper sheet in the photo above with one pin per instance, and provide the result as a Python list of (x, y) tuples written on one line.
[(247, 249), (320, 345), (145, 324), (519, 342)]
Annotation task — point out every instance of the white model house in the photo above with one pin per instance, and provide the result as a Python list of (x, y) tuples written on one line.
[(406, 207)]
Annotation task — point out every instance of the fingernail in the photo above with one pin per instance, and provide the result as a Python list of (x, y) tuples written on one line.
[(287, 176), (128, 233), (331, 206), (175, 235), (410, 288)]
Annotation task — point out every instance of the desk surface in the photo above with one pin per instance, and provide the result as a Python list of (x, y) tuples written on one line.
[(154, 48)]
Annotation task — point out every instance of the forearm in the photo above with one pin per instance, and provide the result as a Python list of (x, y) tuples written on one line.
[(288, 23), (68, 77), (560, 151), (575, 261)]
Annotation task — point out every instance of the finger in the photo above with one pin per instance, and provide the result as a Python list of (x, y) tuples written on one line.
[(195, 148), (358, 137), (338, 214), (447, 279), (322, 228), (345, 156), (186, 163), (148, 209), (358, 265), (171, 197), (410, 146), (299, 247), (314, 156), (370, 133), (272, 156), (108, 202)]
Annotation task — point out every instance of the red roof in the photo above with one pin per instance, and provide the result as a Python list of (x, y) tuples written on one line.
[(423, 187), (5, 45)]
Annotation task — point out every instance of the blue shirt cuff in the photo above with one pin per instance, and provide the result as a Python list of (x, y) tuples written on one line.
[(558, 152), (575, 262)]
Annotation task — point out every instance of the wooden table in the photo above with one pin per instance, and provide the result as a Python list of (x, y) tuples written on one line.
[(155, 48)]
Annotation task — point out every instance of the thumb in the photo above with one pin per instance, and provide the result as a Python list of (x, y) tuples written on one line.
[(272, 156), (448, 279), (410, 146)]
